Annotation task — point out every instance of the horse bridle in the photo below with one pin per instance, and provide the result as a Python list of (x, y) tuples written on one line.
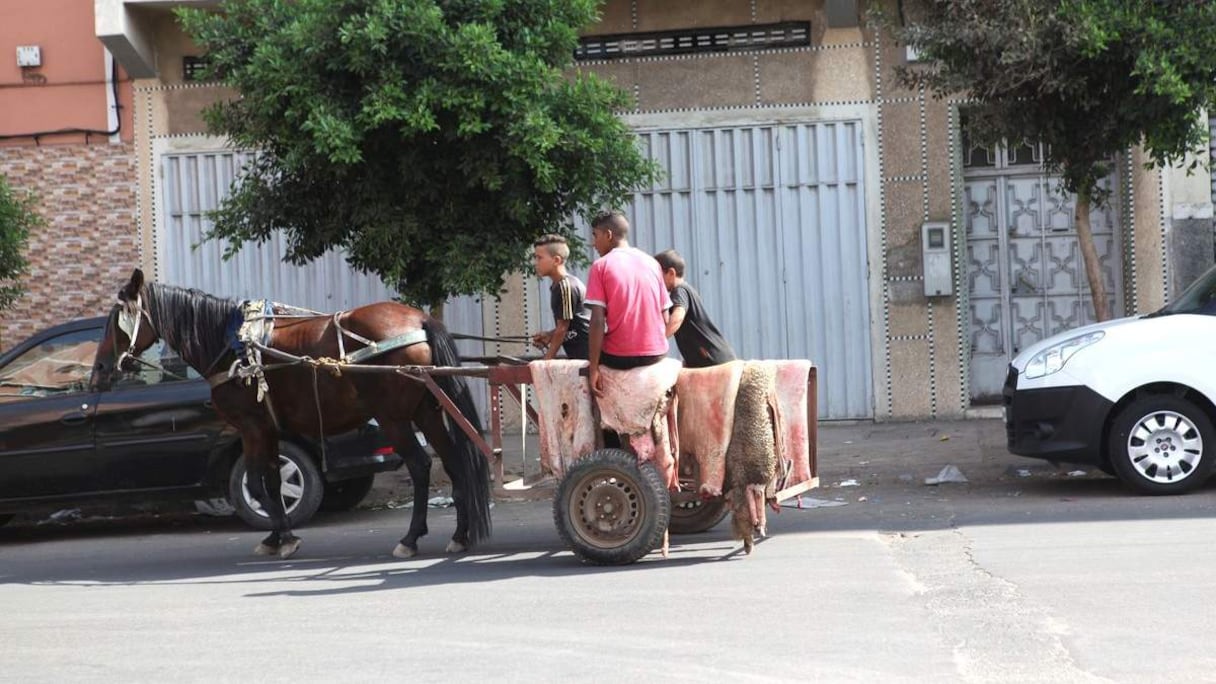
[(130, 318)]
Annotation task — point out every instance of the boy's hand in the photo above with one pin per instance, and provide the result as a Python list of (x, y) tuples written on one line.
[(540, 339)]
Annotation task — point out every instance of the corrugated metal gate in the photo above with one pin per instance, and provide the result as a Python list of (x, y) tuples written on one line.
[(193, 183), (771, 220)]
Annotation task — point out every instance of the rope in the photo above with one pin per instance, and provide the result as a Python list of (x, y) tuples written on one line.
[(149, 364)]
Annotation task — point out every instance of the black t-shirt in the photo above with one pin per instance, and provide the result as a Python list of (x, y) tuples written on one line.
[(699, 341), (567, 296)]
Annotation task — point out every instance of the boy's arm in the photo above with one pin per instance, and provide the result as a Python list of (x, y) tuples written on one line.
[(595, 343), (556, 337), (675, 318)]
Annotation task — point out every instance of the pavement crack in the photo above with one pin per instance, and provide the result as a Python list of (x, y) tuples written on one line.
[(994, 631)]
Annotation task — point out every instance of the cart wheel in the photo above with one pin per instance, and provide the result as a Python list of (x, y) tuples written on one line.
[(610, 509), (691, 517)]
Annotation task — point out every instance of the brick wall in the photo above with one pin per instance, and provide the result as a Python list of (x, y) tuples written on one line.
[(90, 243)]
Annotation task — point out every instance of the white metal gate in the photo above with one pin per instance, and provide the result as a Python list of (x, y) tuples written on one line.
[(1026, 279), (771, 221), (193, 183)]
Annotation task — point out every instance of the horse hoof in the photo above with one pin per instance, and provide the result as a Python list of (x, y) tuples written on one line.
[(403, 551), (288, 549), (456, 547), (265, 550)]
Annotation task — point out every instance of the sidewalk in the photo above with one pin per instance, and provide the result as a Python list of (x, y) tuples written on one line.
[(855, 454)]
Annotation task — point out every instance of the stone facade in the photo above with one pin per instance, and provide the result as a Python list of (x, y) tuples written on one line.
[(89, 243)]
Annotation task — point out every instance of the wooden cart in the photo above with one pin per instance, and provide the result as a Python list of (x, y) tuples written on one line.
[(608, 507)]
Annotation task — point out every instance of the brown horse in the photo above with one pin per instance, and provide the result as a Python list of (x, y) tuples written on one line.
[(304, 399)]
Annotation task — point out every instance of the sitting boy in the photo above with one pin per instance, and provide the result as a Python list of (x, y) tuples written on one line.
[(566, 297)]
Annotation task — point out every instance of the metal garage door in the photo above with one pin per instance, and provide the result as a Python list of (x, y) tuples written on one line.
[(771, 220), (194, 183)]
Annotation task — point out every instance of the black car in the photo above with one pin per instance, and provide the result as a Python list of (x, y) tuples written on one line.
[(149, 435)]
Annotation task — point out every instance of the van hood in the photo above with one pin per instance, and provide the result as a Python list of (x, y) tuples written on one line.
[(1024, 356)]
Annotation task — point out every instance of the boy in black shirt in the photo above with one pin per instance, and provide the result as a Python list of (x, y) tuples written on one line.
[(566, 296), (700, 342)]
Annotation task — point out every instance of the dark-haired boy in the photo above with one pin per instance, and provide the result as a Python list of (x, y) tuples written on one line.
[(698, 339), (566, 297)]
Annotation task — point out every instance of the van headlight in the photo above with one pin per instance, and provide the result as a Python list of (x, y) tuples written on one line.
[(1054, 357)]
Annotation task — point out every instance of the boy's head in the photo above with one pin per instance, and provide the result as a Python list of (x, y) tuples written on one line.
[(673, 267), (608, 230), (549, 252)]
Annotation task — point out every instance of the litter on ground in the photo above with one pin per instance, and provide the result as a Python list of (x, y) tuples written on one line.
[(950, 473), (805, 501)]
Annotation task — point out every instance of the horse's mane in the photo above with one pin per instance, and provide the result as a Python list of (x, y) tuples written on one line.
[(191, 322)]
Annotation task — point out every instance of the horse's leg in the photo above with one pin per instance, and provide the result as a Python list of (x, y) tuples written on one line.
[(418, 462), (262, 468), (431, 422)]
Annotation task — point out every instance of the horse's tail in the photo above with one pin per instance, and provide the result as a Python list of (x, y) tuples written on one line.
[(468, 463)]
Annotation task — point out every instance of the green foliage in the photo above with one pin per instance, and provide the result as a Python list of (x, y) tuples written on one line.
[(17, 217), (431, 139), (1090, 78)]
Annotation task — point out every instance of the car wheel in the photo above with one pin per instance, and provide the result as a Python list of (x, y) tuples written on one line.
[(1162, 444), (344, 495), (302, 489)]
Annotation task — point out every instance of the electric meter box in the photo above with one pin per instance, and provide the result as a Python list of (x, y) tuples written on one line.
[(936, 259)]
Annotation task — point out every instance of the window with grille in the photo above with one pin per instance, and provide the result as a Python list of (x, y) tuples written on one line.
[(686, 41), (192, 68)]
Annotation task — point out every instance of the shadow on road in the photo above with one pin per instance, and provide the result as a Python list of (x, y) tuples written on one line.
[(349, 553)]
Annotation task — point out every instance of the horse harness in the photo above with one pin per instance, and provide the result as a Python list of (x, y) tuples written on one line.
[(251, 327)]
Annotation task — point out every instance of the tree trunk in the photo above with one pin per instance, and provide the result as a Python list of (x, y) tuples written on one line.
[(1093, 269), (437, 311)]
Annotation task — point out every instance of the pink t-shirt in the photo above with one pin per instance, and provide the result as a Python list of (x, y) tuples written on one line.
[(628, 283)]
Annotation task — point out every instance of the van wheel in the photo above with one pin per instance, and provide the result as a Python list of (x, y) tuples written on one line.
[(302, 489), (1162, 444)]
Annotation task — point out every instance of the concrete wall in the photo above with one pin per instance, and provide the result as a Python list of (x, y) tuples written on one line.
[(917, 341)]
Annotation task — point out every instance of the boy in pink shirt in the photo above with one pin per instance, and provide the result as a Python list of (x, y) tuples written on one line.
[(628, 302)]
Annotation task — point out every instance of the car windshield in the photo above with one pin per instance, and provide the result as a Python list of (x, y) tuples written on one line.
[(1199, 298)]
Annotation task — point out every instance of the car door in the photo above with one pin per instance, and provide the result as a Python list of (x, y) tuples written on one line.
[(46, 416), (155, 428)]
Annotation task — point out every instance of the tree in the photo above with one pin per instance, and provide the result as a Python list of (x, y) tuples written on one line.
[(17, 217), (433, 140), (1087, 78)]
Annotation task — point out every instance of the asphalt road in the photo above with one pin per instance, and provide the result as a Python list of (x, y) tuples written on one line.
[(1040, 577)]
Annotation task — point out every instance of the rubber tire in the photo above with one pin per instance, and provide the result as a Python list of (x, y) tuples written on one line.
[(640, 482), (344, 495), (697, 516), (1131, 415), (313, 489)]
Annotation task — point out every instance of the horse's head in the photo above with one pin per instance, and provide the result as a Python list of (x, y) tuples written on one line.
[(129, 332)]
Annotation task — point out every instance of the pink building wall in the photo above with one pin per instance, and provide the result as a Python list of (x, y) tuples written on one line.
[(69, 89)]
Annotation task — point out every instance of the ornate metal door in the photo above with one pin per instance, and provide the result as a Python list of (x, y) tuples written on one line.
[(1026, 279)]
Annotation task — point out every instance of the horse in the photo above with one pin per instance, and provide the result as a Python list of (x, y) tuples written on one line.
[(309, 398)]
